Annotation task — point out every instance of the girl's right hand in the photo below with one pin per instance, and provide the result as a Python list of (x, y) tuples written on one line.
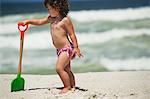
[(23, 22)]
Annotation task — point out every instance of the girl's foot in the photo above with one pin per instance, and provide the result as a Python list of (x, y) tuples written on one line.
[(65, 90), (73, 88)]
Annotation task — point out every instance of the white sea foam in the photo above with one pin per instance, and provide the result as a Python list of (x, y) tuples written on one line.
[(92, 38), (8, 24), (111, 15), (43, 40), (8, 28), (40, 40), (127, 64)]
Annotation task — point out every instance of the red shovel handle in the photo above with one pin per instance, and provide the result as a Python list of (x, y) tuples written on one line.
[(22, 31)]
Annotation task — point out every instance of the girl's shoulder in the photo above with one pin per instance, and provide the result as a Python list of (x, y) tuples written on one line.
[(67, 19)]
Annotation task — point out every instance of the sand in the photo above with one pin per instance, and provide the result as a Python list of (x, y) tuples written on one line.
[(98, 85)]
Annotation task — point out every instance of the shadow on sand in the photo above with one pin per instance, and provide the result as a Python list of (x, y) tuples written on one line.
[(77, 88)]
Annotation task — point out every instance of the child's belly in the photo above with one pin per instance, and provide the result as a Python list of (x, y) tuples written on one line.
[(59, 37), (59, 41)]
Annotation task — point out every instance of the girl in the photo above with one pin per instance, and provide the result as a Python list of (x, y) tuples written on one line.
[(61, 28)]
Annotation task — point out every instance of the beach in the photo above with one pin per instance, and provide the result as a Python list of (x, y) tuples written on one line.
[(92, 85), (113, 36)]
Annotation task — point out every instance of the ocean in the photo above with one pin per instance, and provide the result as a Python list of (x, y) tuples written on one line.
[(110, 40), (30, 6)]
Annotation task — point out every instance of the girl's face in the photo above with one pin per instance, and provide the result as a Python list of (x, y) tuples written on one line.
[(52, 11)]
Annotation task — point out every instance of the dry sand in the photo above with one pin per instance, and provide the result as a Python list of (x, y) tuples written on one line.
[(100, 85)]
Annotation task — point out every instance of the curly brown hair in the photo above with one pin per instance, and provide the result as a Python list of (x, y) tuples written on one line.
[(61, 5)]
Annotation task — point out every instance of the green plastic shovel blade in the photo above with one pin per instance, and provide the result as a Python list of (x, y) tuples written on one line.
[(17, 84)]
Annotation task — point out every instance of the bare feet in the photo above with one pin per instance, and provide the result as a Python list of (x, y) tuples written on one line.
[(65, 90), (73, 88)]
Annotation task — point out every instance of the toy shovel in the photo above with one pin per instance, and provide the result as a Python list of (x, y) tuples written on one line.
[(18, 83)]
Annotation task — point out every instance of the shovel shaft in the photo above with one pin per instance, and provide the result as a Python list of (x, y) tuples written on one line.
[(21, 53), (21, 46)]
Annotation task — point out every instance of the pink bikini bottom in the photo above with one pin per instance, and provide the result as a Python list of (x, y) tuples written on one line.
[(68, 49)]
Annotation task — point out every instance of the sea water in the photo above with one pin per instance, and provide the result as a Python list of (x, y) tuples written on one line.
[(116, 39)]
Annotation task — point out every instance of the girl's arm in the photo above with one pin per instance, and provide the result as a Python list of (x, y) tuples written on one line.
[(37, 21), (70, 30)]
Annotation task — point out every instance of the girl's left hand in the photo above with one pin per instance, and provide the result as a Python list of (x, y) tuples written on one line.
[(77, 51)]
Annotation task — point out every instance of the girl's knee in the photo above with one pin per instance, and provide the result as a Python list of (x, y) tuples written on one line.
[(59, 69)]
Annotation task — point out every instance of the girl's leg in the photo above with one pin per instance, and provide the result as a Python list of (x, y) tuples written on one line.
[(60, 69), (71, 76)]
